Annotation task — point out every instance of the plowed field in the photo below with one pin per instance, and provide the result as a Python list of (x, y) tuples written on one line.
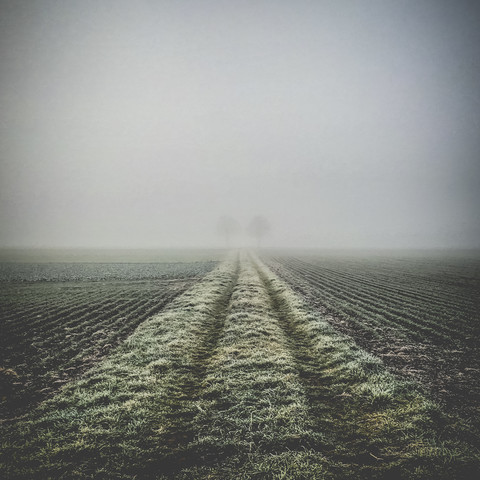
[(52, 331), (420, 315), (239, 378)]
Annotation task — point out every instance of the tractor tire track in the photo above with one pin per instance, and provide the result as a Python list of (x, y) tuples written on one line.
[(449, 375), (254, 403), (300, 347), (329, 411), (173, 442)]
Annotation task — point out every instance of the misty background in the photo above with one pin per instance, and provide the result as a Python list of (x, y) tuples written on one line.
[(141, 123)]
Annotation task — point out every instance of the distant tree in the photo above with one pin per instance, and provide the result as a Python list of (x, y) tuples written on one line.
[(227, 227), (258, 228)]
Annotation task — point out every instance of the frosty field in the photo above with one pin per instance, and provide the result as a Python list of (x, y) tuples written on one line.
[(245, 366)]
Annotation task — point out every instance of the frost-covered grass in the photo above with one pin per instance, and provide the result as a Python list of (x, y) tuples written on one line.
[(419, 313), (377, 424), (253, 407), (51, 332), (108, 423), (238, 379)]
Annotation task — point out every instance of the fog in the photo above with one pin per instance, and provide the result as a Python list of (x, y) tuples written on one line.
[(140, 123)]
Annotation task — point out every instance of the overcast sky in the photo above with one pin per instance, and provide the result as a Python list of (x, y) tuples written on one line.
[(140, 123)]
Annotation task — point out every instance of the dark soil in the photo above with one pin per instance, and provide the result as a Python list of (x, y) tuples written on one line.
[(29, 375), (451, 376)]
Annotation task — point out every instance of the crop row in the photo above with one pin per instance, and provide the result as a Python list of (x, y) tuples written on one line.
[(428, 281), (67, 327), (416, 308), (362, 299), (238, 378), (362, 307), (409, 285)]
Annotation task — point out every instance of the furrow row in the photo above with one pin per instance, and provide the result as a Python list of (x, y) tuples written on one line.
[(238, 378), (368, 307), (76, 342), (414, 288), (361, 289)]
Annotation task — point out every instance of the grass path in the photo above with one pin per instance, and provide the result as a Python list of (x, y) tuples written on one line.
[(238, 379), (420, 315), (78, 326), (181, 403)]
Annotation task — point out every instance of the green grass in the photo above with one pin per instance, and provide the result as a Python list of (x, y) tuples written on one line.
[(238, 379)]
